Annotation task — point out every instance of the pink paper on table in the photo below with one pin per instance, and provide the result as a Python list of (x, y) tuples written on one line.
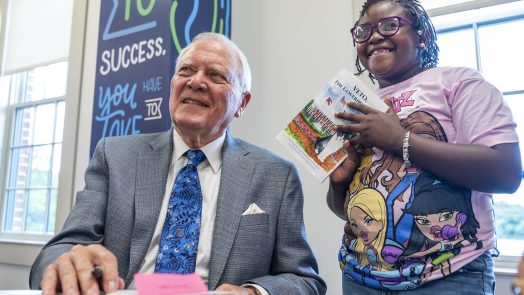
[(167, 284)]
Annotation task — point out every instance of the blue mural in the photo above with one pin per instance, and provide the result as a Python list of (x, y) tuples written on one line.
[(138, 43)]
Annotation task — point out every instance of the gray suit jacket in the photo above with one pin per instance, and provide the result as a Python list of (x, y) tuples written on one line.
[(120, 204)]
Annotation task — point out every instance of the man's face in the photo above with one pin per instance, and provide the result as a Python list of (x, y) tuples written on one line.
[(205, 95)]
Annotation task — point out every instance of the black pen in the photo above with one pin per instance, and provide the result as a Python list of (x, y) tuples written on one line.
[(97, 272)]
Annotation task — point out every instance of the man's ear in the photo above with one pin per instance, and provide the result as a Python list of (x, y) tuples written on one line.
[(246, 97)]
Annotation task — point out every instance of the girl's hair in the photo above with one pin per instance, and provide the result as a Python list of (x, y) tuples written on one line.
[(421, 21), (242, 76)]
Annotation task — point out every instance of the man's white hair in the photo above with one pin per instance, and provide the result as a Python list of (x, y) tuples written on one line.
[(243, 77)]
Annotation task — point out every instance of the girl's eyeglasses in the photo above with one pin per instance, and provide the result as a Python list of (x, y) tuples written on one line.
[(387, 26)]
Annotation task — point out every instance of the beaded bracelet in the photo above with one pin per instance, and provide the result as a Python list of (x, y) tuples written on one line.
[(405, 149)]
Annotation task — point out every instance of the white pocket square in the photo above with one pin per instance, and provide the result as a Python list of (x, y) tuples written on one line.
[(253, 209)]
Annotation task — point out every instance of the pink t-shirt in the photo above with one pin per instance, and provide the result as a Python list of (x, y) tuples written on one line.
[(409, 227)]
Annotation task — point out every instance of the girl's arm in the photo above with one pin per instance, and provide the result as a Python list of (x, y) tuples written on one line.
[(339, 182), (496, 169)]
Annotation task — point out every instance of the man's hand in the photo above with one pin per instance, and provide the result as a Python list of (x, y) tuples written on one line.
[(237, 289), (71, 272)]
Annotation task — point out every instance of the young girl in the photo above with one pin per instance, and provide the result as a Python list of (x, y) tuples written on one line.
[(396, 44)]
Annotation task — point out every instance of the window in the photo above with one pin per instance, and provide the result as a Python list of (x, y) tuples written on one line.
[(36, 114), (487, 43), (34, 65)]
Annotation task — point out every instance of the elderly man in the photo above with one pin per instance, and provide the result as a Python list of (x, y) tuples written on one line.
[(192, 199)]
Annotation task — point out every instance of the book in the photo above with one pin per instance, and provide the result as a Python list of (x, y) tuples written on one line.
[(311, 135)]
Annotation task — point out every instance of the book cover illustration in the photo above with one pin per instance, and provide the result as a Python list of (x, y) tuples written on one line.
[(311, 135)]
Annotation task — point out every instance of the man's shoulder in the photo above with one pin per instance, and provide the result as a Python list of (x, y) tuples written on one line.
[(129, 145), (145, 139), (261, 154)]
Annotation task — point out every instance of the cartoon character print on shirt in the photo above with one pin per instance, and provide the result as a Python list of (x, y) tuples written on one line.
[(365, 236), (368, 223), (441, 227), (398, 181), (389, 176)]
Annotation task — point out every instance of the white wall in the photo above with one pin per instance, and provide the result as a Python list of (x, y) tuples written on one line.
[(294, 47), (14, 277)]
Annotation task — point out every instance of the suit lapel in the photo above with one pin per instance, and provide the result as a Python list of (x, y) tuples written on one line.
[(151, 176), (237, 172)]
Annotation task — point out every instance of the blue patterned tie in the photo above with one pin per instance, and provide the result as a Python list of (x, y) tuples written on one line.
[(179, 242)]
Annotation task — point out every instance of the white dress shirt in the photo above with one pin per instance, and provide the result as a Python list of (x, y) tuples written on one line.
[(209, 172)]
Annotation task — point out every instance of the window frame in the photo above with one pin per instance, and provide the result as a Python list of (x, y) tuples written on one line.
[(6, 160), (22, 249), (504, 264)]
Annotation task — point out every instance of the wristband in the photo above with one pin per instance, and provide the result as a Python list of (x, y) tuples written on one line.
[(405, 149), (254, 289)]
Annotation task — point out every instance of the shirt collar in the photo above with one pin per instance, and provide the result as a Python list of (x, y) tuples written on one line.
[(212, 150)]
